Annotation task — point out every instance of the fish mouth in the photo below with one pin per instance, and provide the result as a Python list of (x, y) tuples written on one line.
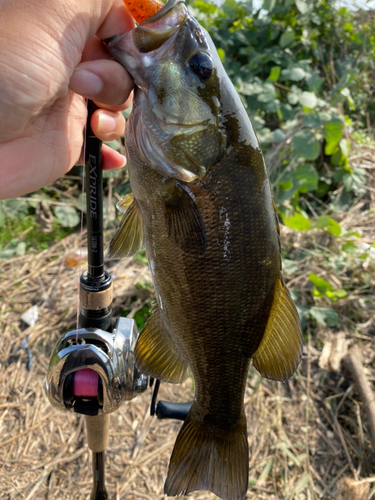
[(153, 32), (168, 7)]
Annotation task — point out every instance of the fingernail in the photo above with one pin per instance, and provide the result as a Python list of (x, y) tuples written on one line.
[(123, 160), (106, 123), (85, 83)]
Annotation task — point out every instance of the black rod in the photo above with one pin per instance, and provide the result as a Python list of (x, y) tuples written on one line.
[(98, 489), (94, 198), (95, 313)]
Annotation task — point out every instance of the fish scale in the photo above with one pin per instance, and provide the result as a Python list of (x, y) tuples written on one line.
[(203, 209)]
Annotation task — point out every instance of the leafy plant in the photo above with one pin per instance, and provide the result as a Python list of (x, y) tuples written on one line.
[(304, 72)]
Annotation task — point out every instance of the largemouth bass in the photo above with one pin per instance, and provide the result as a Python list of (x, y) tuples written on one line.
[(203, 209)]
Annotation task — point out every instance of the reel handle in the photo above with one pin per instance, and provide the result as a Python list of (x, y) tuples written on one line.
[(177, 411)]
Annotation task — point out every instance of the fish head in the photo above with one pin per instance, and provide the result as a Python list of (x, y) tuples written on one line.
[(177, 72)]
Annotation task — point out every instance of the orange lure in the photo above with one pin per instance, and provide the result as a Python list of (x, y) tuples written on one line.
[(143, 9)]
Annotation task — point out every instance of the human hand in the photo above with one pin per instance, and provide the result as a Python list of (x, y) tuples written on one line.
[(51, 57)]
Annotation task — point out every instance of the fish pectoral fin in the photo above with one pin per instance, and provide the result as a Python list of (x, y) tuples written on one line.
[(129, 236), (280, 350), (184, 221), (156, 355), (205, 457)]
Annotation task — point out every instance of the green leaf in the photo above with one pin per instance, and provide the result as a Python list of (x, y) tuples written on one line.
[(314, 82), (312, 120), (275, 73), (278, 135), (331, 148), (286, 111), (298, 222), (324, 116), (295, 74), (82, 203), (308, 99), (337, 158), (320, 284), (7, 253), (21, 248), (67, 216), (293, 97), (2, 215), (335, 295), (113, 173), (286, 39), (258, 122), (268, 93), (15, 209), (286, 185), (289, 266), (141, 257), (332, 131), (230, 7), (307, 176), (268, 5), (346, 93), (325, 316), (205, 7), (302, 6), (221, 54), (116, 144), (325, 222), (306, 145), (345, 147), (348, 182)]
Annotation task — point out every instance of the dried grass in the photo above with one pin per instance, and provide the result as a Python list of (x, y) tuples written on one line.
[(308, 437)]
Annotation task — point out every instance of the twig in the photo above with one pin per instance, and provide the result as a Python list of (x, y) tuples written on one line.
[(352, 362)]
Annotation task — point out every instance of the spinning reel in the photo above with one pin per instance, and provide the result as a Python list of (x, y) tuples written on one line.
[(92, 370)]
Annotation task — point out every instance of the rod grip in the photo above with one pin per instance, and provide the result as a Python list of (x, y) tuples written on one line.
[(97, 428)]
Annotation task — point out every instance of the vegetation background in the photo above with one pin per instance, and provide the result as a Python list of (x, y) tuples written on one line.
[(305, 71)]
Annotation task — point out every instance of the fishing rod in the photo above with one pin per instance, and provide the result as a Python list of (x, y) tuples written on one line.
[(92, 369)]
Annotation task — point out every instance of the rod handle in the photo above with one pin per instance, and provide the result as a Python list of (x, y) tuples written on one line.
[(97, 428)]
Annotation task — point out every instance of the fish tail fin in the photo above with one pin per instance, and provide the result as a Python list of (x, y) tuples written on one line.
[(205, 457)]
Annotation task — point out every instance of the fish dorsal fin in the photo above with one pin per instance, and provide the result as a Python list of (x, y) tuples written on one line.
[(184, 222), (129, 236), (156, 355), (280, 350)]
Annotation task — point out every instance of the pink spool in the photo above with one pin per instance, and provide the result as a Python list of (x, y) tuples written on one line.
[(86, 383)]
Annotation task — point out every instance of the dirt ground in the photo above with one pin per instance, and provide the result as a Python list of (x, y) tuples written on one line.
[(309, 438)]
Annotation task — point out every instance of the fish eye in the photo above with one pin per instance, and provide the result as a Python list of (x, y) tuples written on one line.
[(201, 65)]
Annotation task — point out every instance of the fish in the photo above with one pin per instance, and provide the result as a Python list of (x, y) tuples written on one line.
[(202, 206)]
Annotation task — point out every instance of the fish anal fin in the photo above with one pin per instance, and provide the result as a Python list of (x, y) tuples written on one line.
[(280, 350), (129, 236), (156, 355), (207, 458), (184, 222)]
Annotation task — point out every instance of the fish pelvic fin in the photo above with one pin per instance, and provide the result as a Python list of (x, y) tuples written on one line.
[(156, 355), (184, 222), (205, 457), (280, 350), (129, 236)]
